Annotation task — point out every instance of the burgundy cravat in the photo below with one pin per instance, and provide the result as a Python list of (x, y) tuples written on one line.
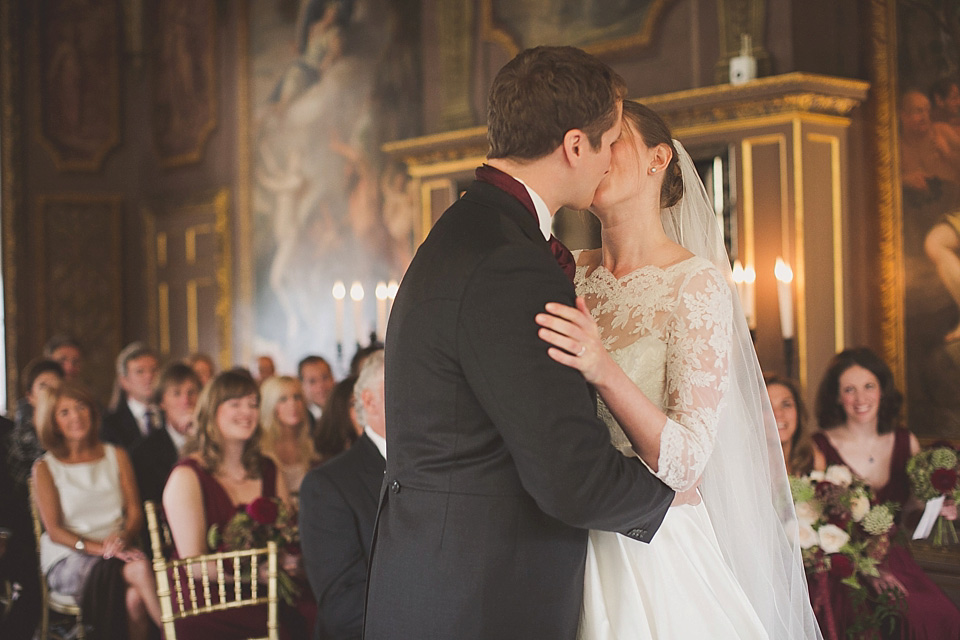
[(509, 184)]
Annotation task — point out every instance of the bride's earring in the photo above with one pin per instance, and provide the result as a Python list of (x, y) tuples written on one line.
[(653, 169)]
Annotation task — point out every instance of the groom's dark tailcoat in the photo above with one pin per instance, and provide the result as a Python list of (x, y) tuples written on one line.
[(497, 464)]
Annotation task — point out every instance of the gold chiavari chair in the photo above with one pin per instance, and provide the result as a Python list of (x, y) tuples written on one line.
[(51, 600), (193, 581)]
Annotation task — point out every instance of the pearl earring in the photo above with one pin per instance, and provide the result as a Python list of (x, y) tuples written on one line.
[(653, 169)]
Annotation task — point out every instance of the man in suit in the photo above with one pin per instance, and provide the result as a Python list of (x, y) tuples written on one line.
[(498, 464), (338, 508), (316, 376), (133, 416), (154, 456)]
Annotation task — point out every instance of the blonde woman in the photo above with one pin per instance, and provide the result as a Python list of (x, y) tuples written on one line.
[(286, 431)]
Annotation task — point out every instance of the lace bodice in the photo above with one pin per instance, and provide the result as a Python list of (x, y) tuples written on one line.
[(669, 329)]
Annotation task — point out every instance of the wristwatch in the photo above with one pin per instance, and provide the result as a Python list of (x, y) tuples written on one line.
[(80, 545)]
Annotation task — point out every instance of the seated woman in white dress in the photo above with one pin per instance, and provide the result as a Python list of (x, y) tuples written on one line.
[(88, 501), (658, 333)]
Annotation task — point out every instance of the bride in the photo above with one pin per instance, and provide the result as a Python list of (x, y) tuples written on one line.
[(659, 334)]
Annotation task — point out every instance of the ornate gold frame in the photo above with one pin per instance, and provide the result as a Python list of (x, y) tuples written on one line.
[(490, 31), (883, 34)]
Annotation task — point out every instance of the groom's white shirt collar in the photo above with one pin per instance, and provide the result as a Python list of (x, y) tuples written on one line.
[(543, 214)]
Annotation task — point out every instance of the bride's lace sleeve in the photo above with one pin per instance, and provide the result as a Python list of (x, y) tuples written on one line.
[(698, 353)]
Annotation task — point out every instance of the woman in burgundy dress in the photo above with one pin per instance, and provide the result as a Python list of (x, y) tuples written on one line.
[(858, 408), (205, 488)]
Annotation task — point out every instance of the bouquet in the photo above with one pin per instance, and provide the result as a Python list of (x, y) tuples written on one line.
[(844, 536), (933, 473), (253, 526)]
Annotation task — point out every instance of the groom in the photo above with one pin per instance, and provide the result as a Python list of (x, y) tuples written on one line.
[(497, 463)]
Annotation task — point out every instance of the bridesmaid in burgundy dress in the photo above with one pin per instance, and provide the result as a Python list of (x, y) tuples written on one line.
[(206, 487), (858, 408)]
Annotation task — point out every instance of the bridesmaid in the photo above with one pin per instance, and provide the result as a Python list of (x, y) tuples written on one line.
[(858, 409), (286, 431), (206, 487)]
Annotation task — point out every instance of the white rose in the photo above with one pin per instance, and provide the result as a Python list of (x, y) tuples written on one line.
[(859, 507), (808, 537), (832, 538), (839, 475), (807, 513), (816, 476)]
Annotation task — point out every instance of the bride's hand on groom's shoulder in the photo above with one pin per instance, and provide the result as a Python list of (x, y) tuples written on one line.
[(575, 339)]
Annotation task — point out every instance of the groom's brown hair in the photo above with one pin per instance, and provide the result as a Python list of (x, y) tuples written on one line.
[(543, 93)]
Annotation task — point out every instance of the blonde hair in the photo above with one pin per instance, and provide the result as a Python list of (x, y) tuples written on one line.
[(51, 437), (208, 441), (271, 390)]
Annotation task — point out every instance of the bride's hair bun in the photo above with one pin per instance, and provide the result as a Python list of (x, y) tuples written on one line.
[(653, 130)]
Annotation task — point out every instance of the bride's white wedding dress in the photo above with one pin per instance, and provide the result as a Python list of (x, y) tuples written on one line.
[(670, 330)]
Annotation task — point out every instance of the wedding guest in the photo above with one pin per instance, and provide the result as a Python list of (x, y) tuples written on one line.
[(316, 376), (339, 507), (203, 366), (356, 362), (87, 497), (337, 428), (858, 409), (154, 456), (67, 352), (791, 416), (24, 446), (286, 432), (265, 368), (133, 415), (206, 488)]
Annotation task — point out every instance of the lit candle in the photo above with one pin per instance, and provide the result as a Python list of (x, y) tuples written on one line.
[(749, 286), (339, 293), (740, 284), (392, 287), (785, 297), (381, 309), (356, 294)]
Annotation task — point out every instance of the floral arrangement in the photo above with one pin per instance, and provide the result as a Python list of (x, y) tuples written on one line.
[(841, 532), (253, 526), (933, 473), (844, 536)]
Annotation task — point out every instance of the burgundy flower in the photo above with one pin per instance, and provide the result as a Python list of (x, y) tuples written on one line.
[(841, 566), (944, 480), (263, 510), (840, 518)]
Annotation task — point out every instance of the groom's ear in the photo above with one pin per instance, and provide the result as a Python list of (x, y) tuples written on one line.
[(574, 145)]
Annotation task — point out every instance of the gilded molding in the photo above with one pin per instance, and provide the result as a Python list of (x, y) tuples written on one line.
[(10, 180), (888, 189), (244, 298), (493, 32)]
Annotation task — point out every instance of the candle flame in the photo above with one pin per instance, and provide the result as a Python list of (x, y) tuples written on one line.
[(749, 274), (783, 271), (356, 292), (339, 291), (738, 272), (381, 291), (392, 288)]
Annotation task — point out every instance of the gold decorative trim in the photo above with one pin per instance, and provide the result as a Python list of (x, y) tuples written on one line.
[(155, 249), (209, 65), (163, 302), (887, 164), (491, 32), (190, 240), (10, 196), (800, 258), (427, 189), (244, 307), (162, 249), (221, 205), (836, 208)]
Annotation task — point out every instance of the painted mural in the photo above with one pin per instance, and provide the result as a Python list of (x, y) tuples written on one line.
[(332, 80)]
